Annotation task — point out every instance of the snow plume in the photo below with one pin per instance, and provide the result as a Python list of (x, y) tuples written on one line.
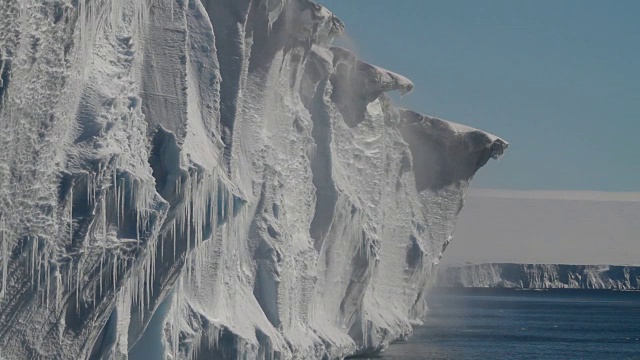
[(217, 167)]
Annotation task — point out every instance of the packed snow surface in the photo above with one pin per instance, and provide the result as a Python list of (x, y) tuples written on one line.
[(217, 169)]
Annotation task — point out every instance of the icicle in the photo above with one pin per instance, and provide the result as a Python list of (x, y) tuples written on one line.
[(94, 292), (100, 273), (116, 197), (88, 186), (122, 199), (147, 277), (33, 261), (70, 276), (175, 315), (140, 286), (114, 272), (138, 227), (71, 214), (104, 218), (5, 256), (46, 278), (188, 216), (173, 230), (79, 276), (162, 248), (59, 288)]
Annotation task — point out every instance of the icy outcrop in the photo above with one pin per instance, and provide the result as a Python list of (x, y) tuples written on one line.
[(541, 276), (216, 169)]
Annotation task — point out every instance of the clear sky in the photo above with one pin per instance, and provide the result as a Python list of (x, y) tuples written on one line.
[(559, 80)]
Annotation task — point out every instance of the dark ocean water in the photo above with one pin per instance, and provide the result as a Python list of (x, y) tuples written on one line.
[(511, 324)]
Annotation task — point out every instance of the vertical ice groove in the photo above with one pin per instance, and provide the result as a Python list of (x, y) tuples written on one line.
[(5, 256)]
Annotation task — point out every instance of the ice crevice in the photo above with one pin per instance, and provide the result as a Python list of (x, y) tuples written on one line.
[(214, 178)]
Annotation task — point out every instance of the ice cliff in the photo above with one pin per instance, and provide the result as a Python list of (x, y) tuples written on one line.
[(541, 276), (217, 167)]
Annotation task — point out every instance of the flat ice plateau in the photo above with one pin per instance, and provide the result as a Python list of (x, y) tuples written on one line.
[(541, 276), (221, 161)]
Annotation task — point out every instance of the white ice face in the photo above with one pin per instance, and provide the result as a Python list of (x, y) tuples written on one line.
[(541, 276), (219, 161)]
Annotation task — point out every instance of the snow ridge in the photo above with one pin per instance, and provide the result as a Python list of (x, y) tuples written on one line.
[(216, 167)]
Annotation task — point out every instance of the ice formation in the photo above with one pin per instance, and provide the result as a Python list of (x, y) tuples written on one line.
[(220, 161), (541, 276)]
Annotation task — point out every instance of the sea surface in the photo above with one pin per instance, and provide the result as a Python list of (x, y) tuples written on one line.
[(511, 324)]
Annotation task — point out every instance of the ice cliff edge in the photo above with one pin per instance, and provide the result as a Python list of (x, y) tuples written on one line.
[(541, 276), (220, 161)]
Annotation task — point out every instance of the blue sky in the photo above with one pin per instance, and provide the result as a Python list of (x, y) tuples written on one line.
[(559, 80)]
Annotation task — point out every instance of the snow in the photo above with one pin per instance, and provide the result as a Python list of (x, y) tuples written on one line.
[(214, 177), (541, 276)]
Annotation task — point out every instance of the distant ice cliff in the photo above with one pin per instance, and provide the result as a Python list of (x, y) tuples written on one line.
[(541, 276), (221, 159)]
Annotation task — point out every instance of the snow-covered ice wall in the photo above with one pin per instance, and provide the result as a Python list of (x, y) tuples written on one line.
[(541, 276), (221, 159)]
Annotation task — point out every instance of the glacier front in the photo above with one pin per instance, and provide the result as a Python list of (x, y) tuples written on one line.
[(218, 167), (540, 276)]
